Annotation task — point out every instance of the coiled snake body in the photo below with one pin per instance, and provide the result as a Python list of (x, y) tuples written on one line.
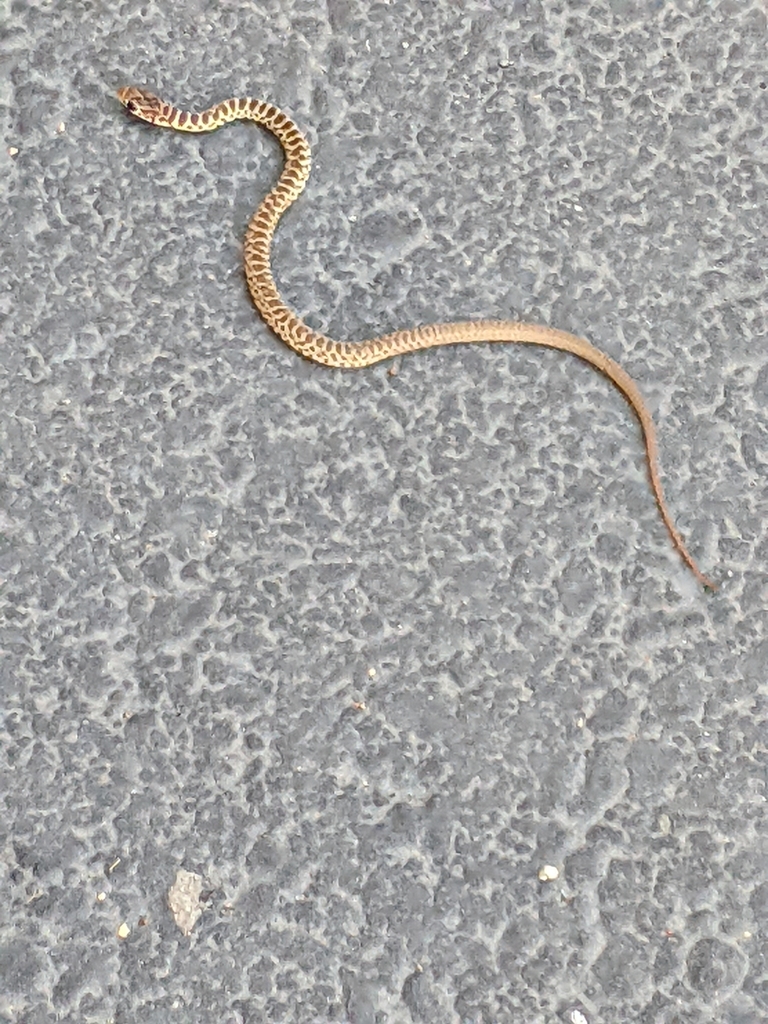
[(320, 349)]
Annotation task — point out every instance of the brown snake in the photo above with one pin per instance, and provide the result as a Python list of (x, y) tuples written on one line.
[(302, 339)]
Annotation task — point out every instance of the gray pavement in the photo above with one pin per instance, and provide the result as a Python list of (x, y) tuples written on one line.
[(369, 653)]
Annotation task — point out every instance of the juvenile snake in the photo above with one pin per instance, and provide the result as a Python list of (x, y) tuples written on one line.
[(317, 347)]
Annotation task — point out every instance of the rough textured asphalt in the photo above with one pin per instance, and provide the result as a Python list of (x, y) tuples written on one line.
[(368, 652)]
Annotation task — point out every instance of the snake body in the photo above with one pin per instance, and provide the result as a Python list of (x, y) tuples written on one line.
[(321, 349)]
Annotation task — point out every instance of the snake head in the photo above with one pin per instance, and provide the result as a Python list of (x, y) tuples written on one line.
[(141, 104)]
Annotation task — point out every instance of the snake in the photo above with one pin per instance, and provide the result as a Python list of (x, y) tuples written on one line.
[(318, 348)]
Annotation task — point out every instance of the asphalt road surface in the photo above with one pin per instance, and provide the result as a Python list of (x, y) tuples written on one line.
[(397, 666)]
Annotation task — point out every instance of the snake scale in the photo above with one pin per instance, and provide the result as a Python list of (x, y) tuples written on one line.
[(320, 349)]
